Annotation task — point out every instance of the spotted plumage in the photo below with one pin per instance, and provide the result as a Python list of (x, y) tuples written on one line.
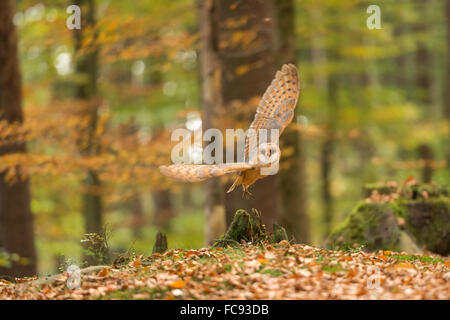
[(275, 111)]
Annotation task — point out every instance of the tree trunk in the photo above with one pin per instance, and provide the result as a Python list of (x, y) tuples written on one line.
[(16, 220), (426, 156), (236, 71), (211, 101), (327, 153), (255, 20), (87, 64), (423, 59), (163, 209), (447, 98), (293, 180), (326, 83), (137, 212)]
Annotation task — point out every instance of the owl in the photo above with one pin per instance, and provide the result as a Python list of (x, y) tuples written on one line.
[(274, 111)]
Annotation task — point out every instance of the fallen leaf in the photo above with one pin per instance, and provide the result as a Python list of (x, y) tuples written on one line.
[(410, 181), (136, 263), (141, 296), (405, 265), (177, 284), (263, 260), (103, 272), (283, 243)]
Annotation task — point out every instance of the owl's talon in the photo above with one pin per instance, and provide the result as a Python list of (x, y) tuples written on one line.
[(246, 194)]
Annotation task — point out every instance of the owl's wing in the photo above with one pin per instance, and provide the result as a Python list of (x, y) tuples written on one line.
[(200, 172), (276, 108)]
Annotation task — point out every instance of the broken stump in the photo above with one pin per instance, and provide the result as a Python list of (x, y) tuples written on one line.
[(160, 243)]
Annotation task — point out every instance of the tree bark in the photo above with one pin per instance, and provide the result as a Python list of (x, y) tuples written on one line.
[(163, 210), (293, 180), (87, 64), (16, 219), (447, 97), (211, 102), (237, 65), (327, 83), (426, 156), (423, 58)]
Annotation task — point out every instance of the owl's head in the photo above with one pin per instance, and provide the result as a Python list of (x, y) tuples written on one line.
[(267, 153)]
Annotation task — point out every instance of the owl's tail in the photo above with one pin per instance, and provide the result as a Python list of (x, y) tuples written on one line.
[(236, 182)]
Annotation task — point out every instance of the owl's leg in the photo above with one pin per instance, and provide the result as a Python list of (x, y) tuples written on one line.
[(246, 193)]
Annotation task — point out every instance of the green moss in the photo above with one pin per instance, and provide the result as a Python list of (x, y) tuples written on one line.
[(271, 272), (245, 226), (408, 257), (424, 191), (332, 268), (429, 222), (362, 224), (380, 187), (278, 234), (128, 294), (425, 212), (371, 225)]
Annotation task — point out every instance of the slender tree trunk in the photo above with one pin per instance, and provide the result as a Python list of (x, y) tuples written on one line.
[(87, 64), (137, 212), (327, 154), (426, 156), (402, 61), (293, 180), (423, 58), (446, 110), (163, 209), (326, 83), (16, 220), (212, 103)]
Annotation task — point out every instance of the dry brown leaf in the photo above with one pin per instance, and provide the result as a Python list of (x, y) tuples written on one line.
[(177, 284)]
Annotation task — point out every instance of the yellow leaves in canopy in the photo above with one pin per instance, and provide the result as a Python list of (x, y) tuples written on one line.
[(392, 113), (366, 52), (242, 69)]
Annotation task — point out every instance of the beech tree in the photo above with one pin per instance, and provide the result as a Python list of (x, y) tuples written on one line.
[(16, 219)]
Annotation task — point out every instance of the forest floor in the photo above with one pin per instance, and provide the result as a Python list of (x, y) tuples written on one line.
[(280, 271)]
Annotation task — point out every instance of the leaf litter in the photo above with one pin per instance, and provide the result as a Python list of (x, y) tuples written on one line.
[(280, 271)]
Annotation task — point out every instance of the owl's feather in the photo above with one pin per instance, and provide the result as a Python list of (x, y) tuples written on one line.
[(200, 172), (276, 108), (275, 111)]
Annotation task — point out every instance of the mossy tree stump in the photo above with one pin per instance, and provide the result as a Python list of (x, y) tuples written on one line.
[(409, 217), (247, 227)]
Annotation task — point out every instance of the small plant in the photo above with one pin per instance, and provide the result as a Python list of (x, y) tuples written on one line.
[(96, 246), (127, 256)]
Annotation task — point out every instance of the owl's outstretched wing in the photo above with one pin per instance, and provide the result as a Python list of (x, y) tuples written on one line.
[(276, 108), (200, 172)]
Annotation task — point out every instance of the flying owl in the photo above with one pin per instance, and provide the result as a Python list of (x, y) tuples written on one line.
[(275, 111)]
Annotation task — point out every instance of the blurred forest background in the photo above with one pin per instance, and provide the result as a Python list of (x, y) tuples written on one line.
[(96, 107)]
